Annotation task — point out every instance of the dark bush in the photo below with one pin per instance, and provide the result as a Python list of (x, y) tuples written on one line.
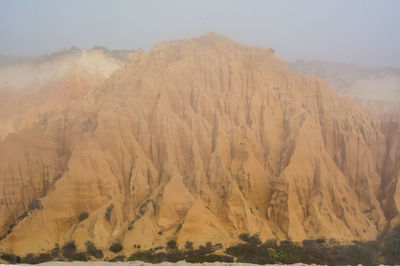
[(69, 250), (291, 253), (35, 204), (32, 259), (148, 256), (286, 243), (83, 216), (55, 252), (252, 240), (208, 248), (82, 256), (116, 247), (22, 216), (8, 257), (178, 255), (175, 256), (12, 226), (244, 252), (44, 257), (266, 253), (138, 256), (391, 247), (189, 245), (171, 244), (108, 212), (93, 251)]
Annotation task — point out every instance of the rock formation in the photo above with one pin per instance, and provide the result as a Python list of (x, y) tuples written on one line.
[(196, 140)]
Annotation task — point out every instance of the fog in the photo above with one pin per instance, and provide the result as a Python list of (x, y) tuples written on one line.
[(359, 32)]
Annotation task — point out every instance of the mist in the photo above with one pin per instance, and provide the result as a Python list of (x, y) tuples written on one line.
[(358, 32)]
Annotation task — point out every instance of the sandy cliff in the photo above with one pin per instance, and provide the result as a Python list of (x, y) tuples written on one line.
[(196, 140)]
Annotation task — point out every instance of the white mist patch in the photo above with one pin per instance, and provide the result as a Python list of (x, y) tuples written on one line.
[(34, 75)]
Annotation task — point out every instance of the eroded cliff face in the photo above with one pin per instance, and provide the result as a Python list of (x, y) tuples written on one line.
[(197, 140), (377, 91)]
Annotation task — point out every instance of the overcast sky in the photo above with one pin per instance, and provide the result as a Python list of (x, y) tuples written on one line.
[(363, 32)]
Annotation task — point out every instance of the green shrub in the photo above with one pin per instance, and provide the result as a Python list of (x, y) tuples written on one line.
[(116, 247)]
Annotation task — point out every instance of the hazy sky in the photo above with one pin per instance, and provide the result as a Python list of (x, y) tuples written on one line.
[(364, 32)]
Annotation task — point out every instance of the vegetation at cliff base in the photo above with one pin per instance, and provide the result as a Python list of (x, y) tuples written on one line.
[(384, 250)]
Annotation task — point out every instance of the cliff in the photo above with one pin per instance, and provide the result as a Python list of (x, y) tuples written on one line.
[(196, 140)]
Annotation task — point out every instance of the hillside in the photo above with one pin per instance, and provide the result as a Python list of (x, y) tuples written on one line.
[(196, 140)]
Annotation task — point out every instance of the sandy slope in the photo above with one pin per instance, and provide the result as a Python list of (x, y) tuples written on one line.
[(196, 140)]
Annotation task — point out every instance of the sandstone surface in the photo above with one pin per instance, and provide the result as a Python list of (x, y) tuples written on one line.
[(196, 140)]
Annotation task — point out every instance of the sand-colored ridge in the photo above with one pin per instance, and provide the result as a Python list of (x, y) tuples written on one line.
[(196, 140)]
